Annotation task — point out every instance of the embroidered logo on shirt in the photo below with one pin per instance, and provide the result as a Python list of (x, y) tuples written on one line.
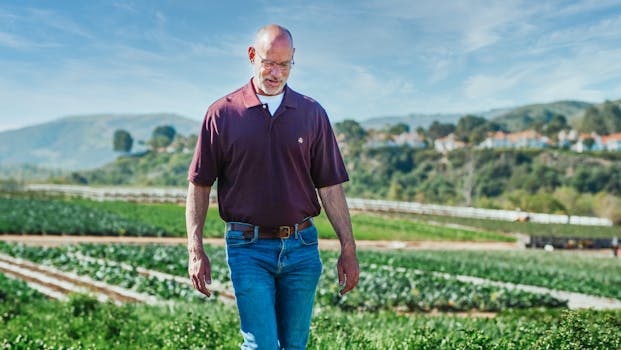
[(300, 140)]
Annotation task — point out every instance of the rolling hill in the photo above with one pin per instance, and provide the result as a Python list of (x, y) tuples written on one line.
[(85, 142), (521, 118), (513, 119), (81, 142)]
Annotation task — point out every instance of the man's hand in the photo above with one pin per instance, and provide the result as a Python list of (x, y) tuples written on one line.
[(348, 270), (196, 207), (199, 269), (335, 205)]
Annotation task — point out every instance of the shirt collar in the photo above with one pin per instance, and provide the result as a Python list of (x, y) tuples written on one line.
[(251, 99)]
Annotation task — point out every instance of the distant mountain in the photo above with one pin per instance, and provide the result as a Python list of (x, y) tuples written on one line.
[(514, 119), (413, 120), (521, 118), (82, 142)]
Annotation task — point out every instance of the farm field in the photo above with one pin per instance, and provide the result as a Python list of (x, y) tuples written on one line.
[(406, 310), (530, 228), (108, 296), (46, 215)]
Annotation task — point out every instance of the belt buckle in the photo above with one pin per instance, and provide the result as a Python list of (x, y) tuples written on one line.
[(286, 229)]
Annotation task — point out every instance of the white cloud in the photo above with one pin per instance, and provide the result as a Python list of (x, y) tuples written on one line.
[(53, 19), (469, 25), (585, 76), (160, 17), (17, 42), (483, 86), (440, 70), (600, 33), (11, 41), (582, 7)]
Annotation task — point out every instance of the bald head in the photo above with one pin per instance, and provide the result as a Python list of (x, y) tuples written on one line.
[(273, 33), (272, 58)]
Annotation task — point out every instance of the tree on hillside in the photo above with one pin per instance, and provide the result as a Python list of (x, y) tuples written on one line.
[(594, 121), (191, 141), (122, 141), (611, 113), (398, 129), (351, 129), (588, 143), (438, 130), (473, 129), (557, 123), (162, 136)]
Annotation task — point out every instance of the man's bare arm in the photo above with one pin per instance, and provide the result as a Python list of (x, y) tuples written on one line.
[(335, 205), (199, 268)]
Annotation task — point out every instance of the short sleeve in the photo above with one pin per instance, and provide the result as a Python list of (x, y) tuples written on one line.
[(327, 167), (206, 162)]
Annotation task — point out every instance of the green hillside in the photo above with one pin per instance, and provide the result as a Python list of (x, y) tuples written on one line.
[(549, 181), (525, 117), (81, 142)]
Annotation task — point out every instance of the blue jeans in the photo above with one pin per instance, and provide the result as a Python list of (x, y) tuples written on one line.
[(275, 282)]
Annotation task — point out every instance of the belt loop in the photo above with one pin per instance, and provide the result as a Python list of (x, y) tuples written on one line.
[(256, 233), (296, 231)]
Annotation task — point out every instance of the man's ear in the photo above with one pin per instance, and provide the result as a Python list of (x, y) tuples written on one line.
[(251, 54)]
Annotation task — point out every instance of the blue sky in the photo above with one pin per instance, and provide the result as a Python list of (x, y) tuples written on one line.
[(359, 59)]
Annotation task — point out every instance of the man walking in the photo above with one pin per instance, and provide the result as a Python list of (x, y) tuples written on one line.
[(271, 150)]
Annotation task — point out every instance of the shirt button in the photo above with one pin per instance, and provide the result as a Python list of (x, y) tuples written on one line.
[(264, 106)]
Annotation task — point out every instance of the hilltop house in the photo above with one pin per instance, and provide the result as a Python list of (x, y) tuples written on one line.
[(522, 139), (448, 143), (412, 139), (382, 139), (610, 142), (582, 145), (566, 138)]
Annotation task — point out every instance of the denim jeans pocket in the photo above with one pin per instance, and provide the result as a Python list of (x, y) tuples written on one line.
[(237, 239), (309, 236)]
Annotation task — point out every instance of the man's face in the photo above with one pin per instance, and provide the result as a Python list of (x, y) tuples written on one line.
[(271, 67)]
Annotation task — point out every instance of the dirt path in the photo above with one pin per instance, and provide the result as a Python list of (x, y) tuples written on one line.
[(329, 244), (224, 292), (575, 300), (65, 282)]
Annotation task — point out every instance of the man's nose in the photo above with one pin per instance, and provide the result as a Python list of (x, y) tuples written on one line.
[(277, 70)]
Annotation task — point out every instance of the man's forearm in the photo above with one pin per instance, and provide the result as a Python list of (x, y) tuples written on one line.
[(197, 203), (335, 205)]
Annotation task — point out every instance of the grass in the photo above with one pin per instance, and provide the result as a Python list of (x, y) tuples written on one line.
[(563, 270), (529, 228), (171, 217), (371, 227), (82, 323), (368, 226)]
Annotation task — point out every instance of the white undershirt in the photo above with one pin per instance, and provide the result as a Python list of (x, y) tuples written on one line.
[(273, 102)]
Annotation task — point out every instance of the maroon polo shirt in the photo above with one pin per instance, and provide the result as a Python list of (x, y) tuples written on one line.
[(267, 167)]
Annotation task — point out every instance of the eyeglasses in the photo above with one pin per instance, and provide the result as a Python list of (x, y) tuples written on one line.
[(269, 65)]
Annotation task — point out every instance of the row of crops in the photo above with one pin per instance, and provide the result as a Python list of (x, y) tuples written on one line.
[(82, 323), (52, 215), (47, 216), (379, 289), (562, 270), (570, 271), (31, 322)]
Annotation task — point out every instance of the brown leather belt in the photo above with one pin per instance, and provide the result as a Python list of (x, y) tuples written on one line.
[(268, 232)]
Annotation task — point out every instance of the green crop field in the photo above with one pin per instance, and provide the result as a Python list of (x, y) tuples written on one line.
[(83, 217), (393, 307), (530, 228), (401, 302)]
